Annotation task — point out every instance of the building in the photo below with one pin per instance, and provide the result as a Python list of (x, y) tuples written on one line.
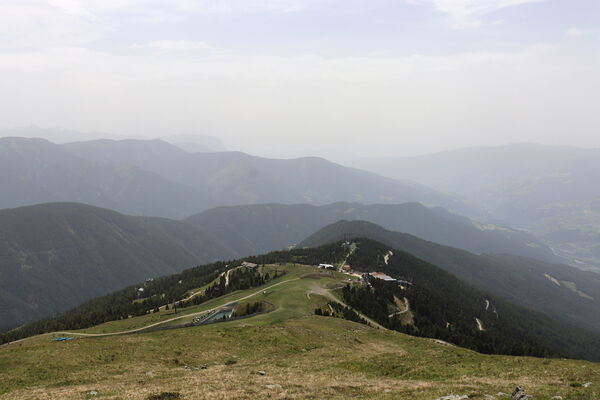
[(382, 276), (326, 266), (346, 268), (249, 265)]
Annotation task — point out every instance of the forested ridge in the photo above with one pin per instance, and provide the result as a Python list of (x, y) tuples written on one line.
[(166, 290), (443, 307), (518, 280)]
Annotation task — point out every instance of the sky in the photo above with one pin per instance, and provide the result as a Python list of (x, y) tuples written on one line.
[(285, 78)]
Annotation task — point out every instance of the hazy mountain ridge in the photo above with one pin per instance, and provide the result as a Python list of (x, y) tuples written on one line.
[(196, 143), (52, 248), (549, 190), (521, 281), (275, 226), (143, 177), (38, 171), (232, 178)]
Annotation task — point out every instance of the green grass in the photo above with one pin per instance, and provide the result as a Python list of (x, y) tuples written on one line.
[(573, 287), (292, 271), (309, 356)]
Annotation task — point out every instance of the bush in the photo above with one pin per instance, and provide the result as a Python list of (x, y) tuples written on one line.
[(165, 396)]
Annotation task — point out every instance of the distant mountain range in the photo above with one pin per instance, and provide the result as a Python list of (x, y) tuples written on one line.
[(37, 171), (54, 256), (265, 227), (192, 143), (159, 179), (196, 143), (553, 192), (562, 292)]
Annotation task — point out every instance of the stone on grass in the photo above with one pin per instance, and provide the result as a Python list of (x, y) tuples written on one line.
[(262, 373), (453, 396), (274, 386), (519, 394)]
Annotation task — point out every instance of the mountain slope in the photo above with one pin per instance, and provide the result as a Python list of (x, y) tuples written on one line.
[(38, 171), (301, 355), (152, 177), (537, 285), (266, 227), (487, 171), (550, 191), (54, 256), (232, 178), (442, 306)]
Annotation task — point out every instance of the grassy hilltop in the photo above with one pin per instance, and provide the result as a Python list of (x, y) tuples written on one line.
[(303, 356)]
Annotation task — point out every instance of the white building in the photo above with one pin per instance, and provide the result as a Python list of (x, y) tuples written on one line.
[(326, 266)]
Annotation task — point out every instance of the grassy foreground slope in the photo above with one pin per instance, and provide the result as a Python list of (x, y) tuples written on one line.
[(303, 356)]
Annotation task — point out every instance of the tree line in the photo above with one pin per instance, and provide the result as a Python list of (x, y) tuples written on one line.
[(156, 293)]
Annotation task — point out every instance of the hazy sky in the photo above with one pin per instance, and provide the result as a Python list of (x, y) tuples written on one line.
[(285, 77)]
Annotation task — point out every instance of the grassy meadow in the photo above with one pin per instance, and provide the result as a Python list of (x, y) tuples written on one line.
[(302, 355)]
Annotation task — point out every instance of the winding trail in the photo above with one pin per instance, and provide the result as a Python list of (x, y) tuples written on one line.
[(150, 325), (404, 310), (479, 325), (316, 289), (386, 258), (226, 273)]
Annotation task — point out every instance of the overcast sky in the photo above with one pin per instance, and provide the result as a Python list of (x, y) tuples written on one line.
[(287, 77)]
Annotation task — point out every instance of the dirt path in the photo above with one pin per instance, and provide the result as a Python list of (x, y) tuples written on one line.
[(191, 296), (405, 305), (386, 258), (227, 275), (154, 324), (479, 324), (340, 269)]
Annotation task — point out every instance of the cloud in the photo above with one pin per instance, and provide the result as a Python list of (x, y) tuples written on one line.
[(406, 102), (469, 13), (70, 7), (27, 24), (575, 32), (35, 24), (245, 6), (177, 45)]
